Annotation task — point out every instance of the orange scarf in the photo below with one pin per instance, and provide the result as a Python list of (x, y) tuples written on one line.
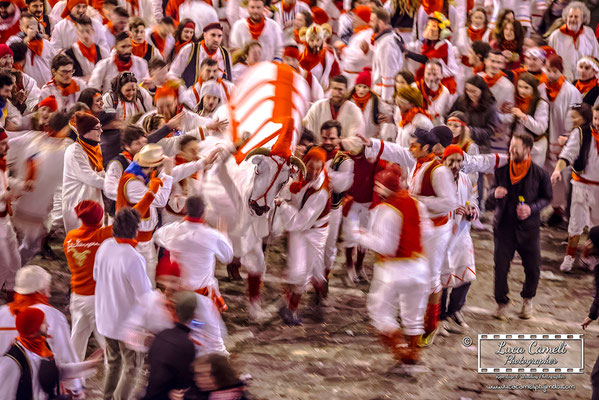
[(127, 155), (596, 136), (23, 301), (36, 47), (476, 34), (309, 60), (361, 101), (430, 6), (256, 28), (361, 28), (519, 170), (159, 41), (428, 95), (132, 242), (553, 88), (210, 53), (523, 103), (110, 27), (179, 45), (36, 345), (139, 49), (564, 29), (409, 116), (93, 153), (88, 52), (296, 37), (421, 161), (68, 90), (478, 69), (122, 66), (585, 86), (134, 5), (491, 81)]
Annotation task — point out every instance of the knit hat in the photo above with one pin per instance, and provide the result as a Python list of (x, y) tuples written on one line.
[(320, 15), (315, 153), (362, 12), (29, 321), (165, 91), (536, 52), (444, 135), (452, 149), (31, 279), (85, 122), (213, 25), (291, 51), (556, 62), (49, 102), (425, 137), (70, 5), (389, 177), (107, 116), (592, 61), (364, 78), (411, 94), (210, 87), (89, 212), (166, 266), (151, 155), (4, 50)]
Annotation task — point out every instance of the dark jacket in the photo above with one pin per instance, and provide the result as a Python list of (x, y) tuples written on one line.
[(170, 357), (482, 123), (536, 189), (110, 142), (594, 238)]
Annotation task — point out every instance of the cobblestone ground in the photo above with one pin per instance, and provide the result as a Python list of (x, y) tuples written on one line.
[(341, 359)]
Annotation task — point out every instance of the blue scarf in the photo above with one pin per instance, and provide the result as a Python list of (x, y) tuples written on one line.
[(135, 169)]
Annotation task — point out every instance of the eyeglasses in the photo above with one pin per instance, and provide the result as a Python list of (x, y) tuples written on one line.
[(127, 77)]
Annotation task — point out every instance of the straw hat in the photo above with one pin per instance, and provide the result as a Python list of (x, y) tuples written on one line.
[(151, 155)]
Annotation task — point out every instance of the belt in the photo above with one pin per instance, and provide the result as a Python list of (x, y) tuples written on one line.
[(440, 221), (218, 301), (144, 236), (580, 179)]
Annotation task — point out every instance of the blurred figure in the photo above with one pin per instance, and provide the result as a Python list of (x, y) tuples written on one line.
[(214, 377)]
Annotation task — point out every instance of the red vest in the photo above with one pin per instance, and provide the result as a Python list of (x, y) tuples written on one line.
[(364, 172), (410, 243), (426, 189)]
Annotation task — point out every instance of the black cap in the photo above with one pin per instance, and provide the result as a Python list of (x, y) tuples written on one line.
[(425, 137), (443, 134), (107, 117)]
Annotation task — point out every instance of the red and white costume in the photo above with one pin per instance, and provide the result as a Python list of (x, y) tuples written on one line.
[(436, 102), (323, 66), (183, 58), (386, 63), (504, 91), (353, 58), (349, 116), (140, 8), (87, 65), (407, 124), (65, 97), (193, 94), (421, 20), (64, 34), (106, 70), (270, 37), (164, 46), (37, 64), (127, 109), (10, 260), (573, 46)]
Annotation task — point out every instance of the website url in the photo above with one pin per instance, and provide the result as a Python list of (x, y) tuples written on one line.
[(533, 387)]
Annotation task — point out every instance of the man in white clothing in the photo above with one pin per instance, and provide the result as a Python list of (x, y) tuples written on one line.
[(209, 72), (63, 86), (436, 98), (64, 33), (119, 18), (123, 60), (259, 28), (121, 280), (387, 59), (85, 53), (358, 53), (317, 58), (336, 108), (574, 39)]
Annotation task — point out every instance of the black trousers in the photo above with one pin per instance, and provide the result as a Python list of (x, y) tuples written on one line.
[(595, 380), (452, 302), (526, 243)]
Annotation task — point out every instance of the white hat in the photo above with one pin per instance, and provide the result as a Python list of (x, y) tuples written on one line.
[(212, 88), (32, 279)]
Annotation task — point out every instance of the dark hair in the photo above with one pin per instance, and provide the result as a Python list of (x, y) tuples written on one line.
[(526, 138), (58, 120), (131, 133), (220, 369), (481, 49), (195, 206), (156, 63), (475, 10), (122, 36), (87, 96), (308, 17), (134, 22), (167, 21), (307, 136), (19, 50), (60, 60), (533, 82), (210, 62), (78, 107), (6, 79), (126, 223), (180, 28), (185, 140), (27, 15), (585, 111), (501, 19), (32, 1), (382, 15), (331, 124), (518, 35), (495, 52), (150, 122), (110, 2), (122, 11), (185, 302), (85, 20), (486, 97), (340, 79), (407, 76), (119, 81)]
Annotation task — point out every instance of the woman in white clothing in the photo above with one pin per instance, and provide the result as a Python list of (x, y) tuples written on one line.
[(127, 98), (244, 58)]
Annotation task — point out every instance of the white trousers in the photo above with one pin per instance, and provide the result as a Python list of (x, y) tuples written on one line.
[(584, 210), (253, 261), (539, 152), (10, 260), (305, 257), (148, 250), (357, 217), (436, 249), (83, 324), (405, 285), (330, 250)]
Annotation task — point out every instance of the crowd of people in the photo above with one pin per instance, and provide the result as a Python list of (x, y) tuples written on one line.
[(120, 136)]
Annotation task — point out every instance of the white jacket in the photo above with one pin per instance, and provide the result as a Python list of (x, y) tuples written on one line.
[(64, 102), (350, 117), (571, 52), (199, 12), (271, 38), (387, 62), (353, 59), (127, 109), (64, 34), (106, 70)]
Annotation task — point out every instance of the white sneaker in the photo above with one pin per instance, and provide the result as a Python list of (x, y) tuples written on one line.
[(500, 312), (256, 314), (567, 264), (526, 312)]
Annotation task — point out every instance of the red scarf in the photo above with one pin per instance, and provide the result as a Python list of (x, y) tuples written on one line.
[(430, 6), (476, 34), (94, 153), (478, 69), (132, 242), (431, 50), (409, 116), (491, 81), (139, 49), (36, 345), (428, 95), (68, 90), (23, 301), (596, 136), (422, 160), (256, 28), (36, 46), (553, 88), (110, 27), (88, 52), (564, 29), (523, 103), (134, 5), (361, 101), (335, 111), (194, 219), (309, 60), (585, 86), (122, 66), (296, 37), (3, 163), (210, 53), (159, 41), (179, 45), (519, 170)]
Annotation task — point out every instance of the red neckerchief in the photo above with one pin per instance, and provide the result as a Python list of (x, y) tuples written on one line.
[(361, 101), (139, 49), (309, 60), (333, 112), (492, 80), (478, 69), (596, 136), (127, 155), (210, 53), (564, 29), (68, 90), (179, 45), (3, 163), (585, 86), (523, 103), (553, 88), (36, 345), (476, 34), (422, 160), (36, 46), (256, 28), (94, 153), (332, 154), (132, 242), (428, 95), (88, 52), (430, 6), (122, 66), (159, 42), (23, 301), (409, 116), (195, 220)]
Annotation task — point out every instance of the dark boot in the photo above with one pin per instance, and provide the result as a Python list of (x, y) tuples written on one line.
[(361, 276), (350, 277), (233, 270), (288, 312)]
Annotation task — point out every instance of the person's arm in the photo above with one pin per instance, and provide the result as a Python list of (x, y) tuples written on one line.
[(545, 193), (60, 341), (304, 218), (386, 223), (484, 163), (159, 134), (136, 190), (540, 121), (180, 61), (445, 199), (224, 248), (342, 179), (112, 178), (182, 171), (391, 152), (571, 150), (83, 172)]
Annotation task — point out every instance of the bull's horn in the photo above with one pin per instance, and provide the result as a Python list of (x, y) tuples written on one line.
[(257, 151), (299, 164)]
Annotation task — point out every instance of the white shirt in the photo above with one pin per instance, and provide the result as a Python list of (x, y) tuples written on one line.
[(64, 102), (271, 38), (106, 70), (64, 34), (199, 12), (121, 280), (349, 116), (571, 52), (387, 62)]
